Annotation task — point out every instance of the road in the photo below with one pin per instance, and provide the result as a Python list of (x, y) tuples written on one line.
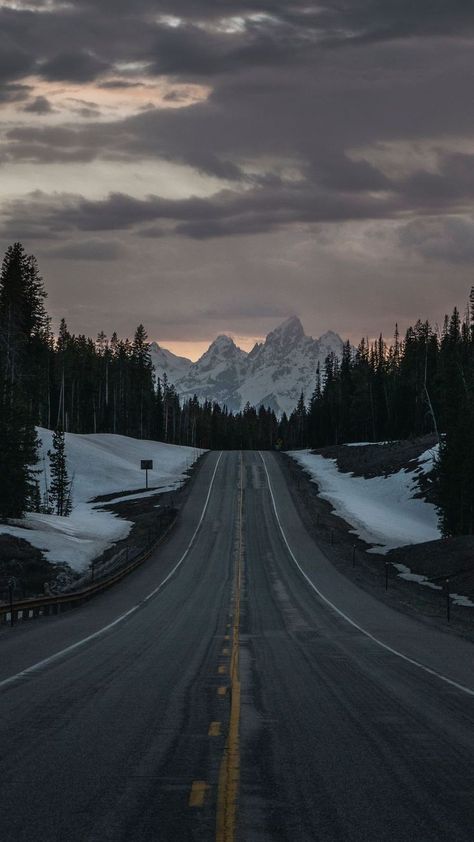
[(256, 695)]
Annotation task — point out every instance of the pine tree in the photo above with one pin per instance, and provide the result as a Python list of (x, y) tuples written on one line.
[(142, 386), (23, 323), (18, 454), (471, 311), (23, 318), (60, 485)]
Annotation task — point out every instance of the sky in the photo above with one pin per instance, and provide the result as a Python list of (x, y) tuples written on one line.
[(214, 167)]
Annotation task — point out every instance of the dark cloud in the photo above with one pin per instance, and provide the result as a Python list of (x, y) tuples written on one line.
[(73, 67), (14, 93), (450, 240), (343, 20), (15, 62), (224, 214), (39, 105), (118, 84), (93, 250), (339, 115), (451, 184)]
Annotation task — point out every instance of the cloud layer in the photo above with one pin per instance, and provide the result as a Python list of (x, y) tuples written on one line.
[(345, 126)]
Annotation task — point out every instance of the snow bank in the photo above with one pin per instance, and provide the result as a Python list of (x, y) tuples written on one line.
[(381, 510), (366, 443), (99, 464), (404, 572)]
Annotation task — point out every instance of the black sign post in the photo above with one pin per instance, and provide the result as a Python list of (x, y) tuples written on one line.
[(146, 465), (11, 589)]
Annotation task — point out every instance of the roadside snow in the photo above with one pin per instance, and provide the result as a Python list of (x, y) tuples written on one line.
[(382, 510), (366, 443), (404, 572), (427, 459), (99, 464), (459, 599)]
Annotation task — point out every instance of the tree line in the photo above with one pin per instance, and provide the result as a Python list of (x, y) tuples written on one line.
[(415, 386), (420, 384), (72, 383)]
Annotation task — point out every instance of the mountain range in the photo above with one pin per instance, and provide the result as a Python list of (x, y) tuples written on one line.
[(273, 373)]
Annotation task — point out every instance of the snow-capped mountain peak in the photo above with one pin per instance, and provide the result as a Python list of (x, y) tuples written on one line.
[(331, 340), (165, 362), (289, 332), (223, 347), (274, 373)]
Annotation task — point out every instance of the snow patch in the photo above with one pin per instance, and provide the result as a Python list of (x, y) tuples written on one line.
[(98, 465), (456, 598), (459, 599), (367, 443), (404, 572), (382, 510)]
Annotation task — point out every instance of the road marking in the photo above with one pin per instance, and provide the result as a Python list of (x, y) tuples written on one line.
[(7, 682), (229, 772), (198, 793), (227, 637), (355, 625), (214, 729), (225, 651), (221, 691), (221, 670)]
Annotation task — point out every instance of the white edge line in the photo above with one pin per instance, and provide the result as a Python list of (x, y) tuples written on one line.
[(348, 619), (58, 655)]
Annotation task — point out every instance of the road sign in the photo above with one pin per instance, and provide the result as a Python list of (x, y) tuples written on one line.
[(146, 465)]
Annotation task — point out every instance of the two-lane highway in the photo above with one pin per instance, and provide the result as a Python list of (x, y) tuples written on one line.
[(236, 702)]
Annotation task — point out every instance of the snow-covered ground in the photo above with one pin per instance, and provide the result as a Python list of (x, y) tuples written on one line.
[(382, 510), (97, 465)]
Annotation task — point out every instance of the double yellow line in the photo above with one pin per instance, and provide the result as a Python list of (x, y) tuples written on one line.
[(229, 773)]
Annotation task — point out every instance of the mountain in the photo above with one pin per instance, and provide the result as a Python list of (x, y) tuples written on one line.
[(274, 373), (217, 374), (282, 367), (165, 361)]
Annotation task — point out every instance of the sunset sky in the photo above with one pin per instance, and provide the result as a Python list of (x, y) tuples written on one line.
[(209, 167)]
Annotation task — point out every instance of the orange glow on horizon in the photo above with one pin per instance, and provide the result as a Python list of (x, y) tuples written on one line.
[(195, 349)]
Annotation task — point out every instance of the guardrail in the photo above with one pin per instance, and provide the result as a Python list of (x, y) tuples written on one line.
[(43, 606)]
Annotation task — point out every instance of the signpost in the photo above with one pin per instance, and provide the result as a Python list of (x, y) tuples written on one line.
[(146, 465), (11, 588)]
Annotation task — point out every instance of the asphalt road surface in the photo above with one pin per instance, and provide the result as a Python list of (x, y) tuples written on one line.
[(255, 695)]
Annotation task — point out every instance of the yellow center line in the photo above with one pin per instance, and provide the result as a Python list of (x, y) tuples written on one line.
[(229, 774), (221, 691), (225, 651), (214, 729), (198, 793), (221, 670)]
